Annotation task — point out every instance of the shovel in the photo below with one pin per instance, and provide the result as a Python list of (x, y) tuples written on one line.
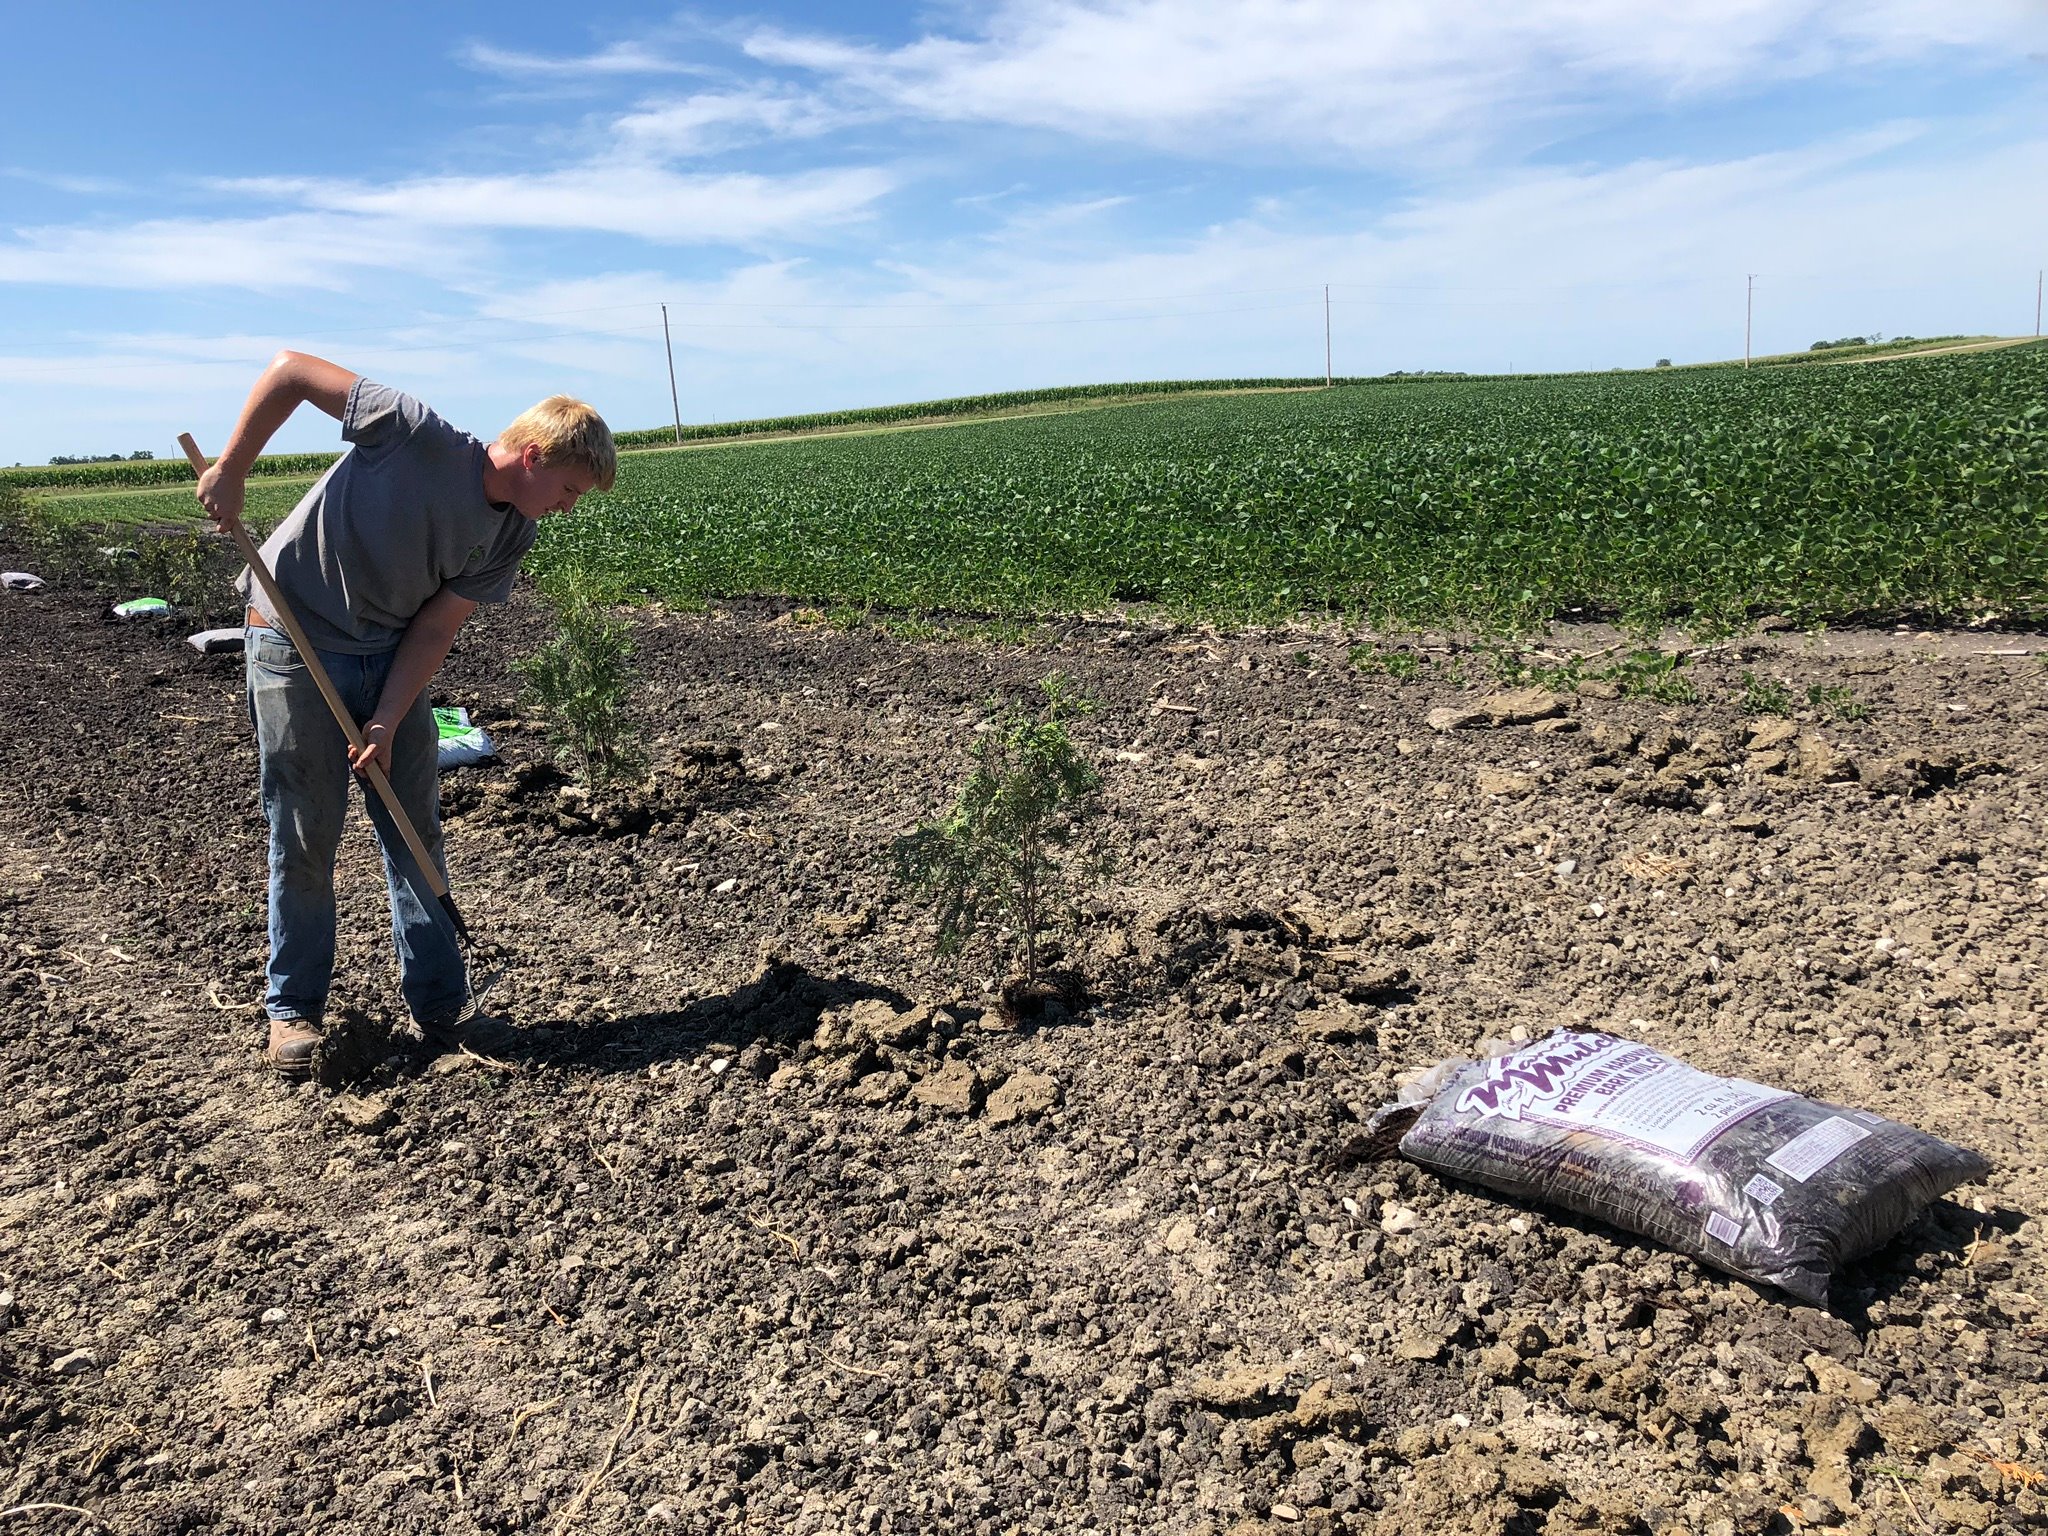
[(379, 781)]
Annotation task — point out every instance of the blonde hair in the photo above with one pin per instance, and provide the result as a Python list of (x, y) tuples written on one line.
[(567, 432)]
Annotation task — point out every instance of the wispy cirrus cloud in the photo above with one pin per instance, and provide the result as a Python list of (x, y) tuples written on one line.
[(645, 201), (612, 62), (1395, 79), (712, 121), (273, 254), (333, 233), (79, 186)]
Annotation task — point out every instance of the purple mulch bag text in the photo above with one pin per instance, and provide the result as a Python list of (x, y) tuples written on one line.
[(1753, 1180)]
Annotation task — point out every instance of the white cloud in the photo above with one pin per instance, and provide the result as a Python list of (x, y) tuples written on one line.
[(1061, 219), (626, 58), (1604, 267), (644, 201), (717, 120), (1551, 268), (1906, 228), (81, 186), (1373, 78), (756, 285), (289, 251)]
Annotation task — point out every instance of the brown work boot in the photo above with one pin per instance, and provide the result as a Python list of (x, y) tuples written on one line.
[(293, 1045)]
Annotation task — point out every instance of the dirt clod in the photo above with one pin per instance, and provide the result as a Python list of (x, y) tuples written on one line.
[(1022, 1097)]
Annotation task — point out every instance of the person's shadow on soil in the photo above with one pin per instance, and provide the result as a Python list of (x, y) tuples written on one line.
[(763, 1022), (777, 1010)]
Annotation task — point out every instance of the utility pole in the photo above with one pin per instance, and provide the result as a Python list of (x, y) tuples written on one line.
[(1329, 377), (669, 347), (2037, 302), (1748, 314)]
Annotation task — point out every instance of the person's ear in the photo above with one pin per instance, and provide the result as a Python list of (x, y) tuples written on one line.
[(530, 457)]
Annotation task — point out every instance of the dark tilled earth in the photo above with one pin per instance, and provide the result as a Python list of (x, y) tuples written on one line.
[(752, 1216)]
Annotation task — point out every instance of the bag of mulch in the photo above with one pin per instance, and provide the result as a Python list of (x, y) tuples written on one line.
[(20, 581), (142, 608), (461, 742), (211, 642), (1756, 1181)]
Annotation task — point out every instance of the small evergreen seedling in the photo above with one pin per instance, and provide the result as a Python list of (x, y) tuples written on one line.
[(581, 680), (1002, 862)]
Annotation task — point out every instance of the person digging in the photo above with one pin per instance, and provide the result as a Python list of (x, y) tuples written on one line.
[(381, 562)]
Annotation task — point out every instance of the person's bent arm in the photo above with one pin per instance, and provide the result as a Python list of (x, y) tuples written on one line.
[(419, 657), (291, 379)]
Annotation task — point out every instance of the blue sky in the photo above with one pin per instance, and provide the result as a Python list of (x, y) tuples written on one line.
[(846, 205)]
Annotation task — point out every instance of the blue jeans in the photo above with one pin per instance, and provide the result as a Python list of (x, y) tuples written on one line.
[(305, 775)]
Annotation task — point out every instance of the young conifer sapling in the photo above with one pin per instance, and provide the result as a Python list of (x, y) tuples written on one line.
[(1011, 853)]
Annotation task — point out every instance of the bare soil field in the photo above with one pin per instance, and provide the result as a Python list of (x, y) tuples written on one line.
[(749, 1215)]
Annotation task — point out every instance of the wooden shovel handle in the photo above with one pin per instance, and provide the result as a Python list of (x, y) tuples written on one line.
[(429, 870)]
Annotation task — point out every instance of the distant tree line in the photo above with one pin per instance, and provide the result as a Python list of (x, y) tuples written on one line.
[(100, 458), (1855, 341)]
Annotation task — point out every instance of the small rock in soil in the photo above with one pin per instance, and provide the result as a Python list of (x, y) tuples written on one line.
[(1021, 1097), (881, 1088), (1818, 759), (954, 1089), (906, 1030), (365, 1116), (1335, 1026), (1417, 1344), (1503, 782), (1831, 1376), (1521, 706), (1247, 1387), (1452, 718)]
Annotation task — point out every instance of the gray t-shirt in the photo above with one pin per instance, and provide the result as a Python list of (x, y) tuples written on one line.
[(398, 517)]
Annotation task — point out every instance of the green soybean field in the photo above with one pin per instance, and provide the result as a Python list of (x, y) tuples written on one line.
[(1827, 494)]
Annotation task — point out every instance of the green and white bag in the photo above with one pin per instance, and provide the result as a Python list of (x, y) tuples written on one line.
[(461, 742)]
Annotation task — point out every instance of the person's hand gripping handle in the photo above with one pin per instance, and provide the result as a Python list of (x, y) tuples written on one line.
[(221, 495)]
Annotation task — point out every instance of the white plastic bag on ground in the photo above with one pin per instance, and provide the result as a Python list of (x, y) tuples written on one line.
[(210, 641), (461, 742), (19, 581), (1754, 1180)]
